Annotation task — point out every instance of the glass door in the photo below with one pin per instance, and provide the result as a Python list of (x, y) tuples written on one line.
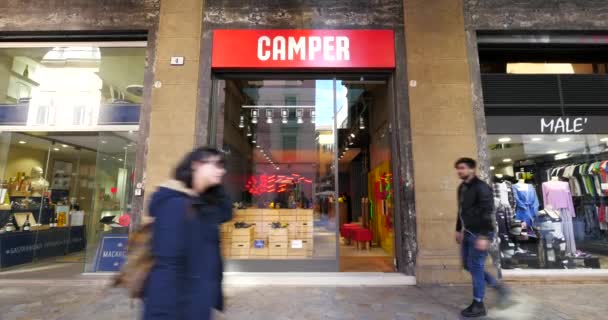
[(279, 136)]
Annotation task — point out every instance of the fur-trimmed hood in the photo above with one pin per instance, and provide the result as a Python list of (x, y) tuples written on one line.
[(170, 190)]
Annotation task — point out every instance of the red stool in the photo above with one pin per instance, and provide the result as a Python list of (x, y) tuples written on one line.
[(347, 230), (361, 236)]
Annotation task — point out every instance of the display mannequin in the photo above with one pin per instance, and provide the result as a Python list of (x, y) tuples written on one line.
[(37, 183)]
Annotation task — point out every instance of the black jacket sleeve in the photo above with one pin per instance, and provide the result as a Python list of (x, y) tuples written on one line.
[(458, 220), (485, 209)]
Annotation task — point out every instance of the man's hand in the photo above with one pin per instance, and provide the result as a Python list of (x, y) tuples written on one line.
[(458, 237), (482, 244)]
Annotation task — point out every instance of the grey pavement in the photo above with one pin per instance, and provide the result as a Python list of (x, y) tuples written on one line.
[(95, 302)]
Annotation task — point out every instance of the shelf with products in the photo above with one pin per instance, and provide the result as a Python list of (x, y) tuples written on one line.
[(268, 234)]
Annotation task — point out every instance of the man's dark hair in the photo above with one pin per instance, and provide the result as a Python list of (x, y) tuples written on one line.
[(466, 161)]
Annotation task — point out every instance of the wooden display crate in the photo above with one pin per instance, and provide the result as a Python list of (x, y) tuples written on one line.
[(270, 218), (278, 235), (305, 227), (259, 252), (288, 218), (242, 234), (278, 250), (241, 245), (239, 253), (278, 232)]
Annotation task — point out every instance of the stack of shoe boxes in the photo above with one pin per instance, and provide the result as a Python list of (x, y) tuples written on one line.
[(242, 239)]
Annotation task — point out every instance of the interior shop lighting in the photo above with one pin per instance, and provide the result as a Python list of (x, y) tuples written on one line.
[(284, 115), (64, 145), (504, 140), (535, 139), (300, 116), (551, 152), (507, 160), (312, 116), (268, 116), (103, 141), (249, 131), (255, 113), (346, 148), (352, 135), (604, 139), (254, 138), (561, 156), (564, 139), (22, 142), (257, 146), (56, 149), (492, 168), (242, 122), (361, 123)]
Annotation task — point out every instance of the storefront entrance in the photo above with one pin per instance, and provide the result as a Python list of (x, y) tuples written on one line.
[(309, 170), (304, 117)]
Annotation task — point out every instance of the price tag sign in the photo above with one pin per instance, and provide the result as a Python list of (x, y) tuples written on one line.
[(296, 244), (258, 244)]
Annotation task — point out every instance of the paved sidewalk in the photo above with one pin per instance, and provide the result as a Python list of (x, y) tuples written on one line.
[(94, 302)]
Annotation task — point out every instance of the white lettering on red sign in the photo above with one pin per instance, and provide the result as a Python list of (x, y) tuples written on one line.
[(279, 48)]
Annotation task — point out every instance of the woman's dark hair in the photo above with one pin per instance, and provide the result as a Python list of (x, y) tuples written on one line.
[(183, 172), (472, 164)]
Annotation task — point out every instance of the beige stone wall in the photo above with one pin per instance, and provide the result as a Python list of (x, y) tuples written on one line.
[(442, 126), (174, 103)]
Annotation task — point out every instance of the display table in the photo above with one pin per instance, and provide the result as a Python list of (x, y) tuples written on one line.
[(23, 247), (261, 241)]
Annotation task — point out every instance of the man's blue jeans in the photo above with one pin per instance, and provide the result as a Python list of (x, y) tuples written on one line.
[(473, 261)]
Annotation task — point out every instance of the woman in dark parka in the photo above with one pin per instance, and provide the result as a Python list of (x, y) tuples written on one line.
[(186, 280)]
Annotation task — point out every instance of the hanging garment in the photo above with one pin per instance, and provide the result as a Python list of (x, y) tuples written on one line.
[(589, 185), (575, 187), (568, 231), (556, 195), (526, 203), (504, 218), (594, 170), (503, 192), (604, 175)]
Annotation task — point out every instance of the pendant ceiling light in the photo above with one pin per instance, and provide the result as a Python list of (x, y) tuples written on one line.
[(254, 115), (284, 116), (300, 116), (312, 116), (242, 122), (361, 123), (254, 138), (249, 131), (269, 116)]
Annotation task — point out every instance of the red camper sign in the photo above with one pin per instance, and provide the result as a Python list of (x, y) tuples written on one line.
[(306, 49)]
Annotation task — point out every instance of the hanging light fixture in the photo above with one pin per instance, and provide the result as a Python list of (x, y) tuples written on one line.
[(269, 116), (242, 122), (284, 115), (300, 116), (361, 123), (312, 116), (254, 115), (254, 138), (249, 131)]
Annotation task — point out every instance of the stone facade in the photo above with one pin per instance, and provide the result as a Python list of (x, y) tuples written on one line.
[(438, 108)]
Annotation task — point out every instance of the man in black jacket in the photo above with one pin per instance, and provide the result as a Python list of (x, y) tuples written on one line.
[(474, 232)]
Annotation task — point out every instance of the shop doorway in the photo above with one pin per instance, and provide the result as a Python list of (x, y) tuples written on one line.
[(364, 175), (309, 169)]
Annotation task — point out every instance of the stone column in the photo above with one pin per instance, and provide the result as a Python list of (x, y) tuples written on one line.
[(175, 94), (442, 129)]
